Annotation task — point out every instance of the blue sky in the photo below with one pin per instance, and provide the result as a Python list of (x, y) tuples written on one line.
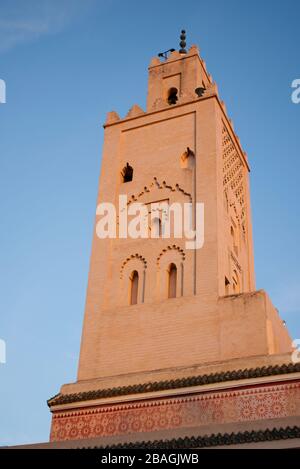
[(68, 62)]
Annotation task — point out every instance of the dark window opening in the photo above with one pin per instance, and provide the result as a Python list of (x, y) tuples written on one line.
[(134, 285), (172, 286), (127, 173), (172, 96)]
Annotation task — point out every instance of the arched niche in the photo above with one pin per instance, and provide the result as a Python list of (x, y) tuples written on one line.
[(132, 280), (170, 263)]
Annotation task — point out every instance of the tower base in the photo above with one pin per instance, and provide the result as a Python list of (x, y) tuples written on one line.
[(227, 405)]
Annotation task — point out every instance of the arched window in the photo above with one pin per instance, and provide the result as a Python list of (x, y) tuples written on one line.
[(156, 228), (134, 287), (172, 96), (172, 281), (127, 173)]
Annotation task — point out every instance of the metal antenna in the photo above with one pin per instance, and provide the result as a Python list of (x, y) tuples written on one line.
[(165, 53)]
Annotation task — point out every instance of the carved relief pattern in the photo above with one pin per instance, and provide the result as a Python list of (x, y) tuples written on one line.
[(252, 403), (156, 184), (163, 185), (233, 175)]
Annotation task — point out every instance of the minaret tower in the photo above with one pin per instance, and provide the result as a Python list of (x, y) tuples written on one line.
[(160, 309)]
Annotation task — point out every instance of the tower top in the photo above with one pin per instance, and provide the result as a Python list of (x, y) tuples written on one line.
[(174, 79)]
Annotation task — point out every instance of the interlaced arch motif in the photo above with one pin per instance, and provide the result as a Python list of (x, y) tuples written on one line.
[(162, 185), (157, 184)]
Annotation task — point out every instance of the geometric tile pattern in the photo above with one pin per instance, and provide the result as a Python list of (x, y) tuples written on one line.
[(255, 402)]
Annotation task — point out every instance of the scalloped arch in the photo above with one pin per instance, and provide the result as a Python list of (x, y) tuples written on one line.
[(133, 256), (172, 247)]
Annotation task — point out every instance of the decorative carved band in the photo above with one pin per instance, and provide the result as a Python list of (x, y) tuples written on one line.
[(159, 185), (256, 402), (235, 261), (175, 383)]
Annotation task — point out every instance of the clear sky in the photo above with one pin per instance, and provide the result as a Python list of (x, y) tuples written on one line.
[(68, 62)]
